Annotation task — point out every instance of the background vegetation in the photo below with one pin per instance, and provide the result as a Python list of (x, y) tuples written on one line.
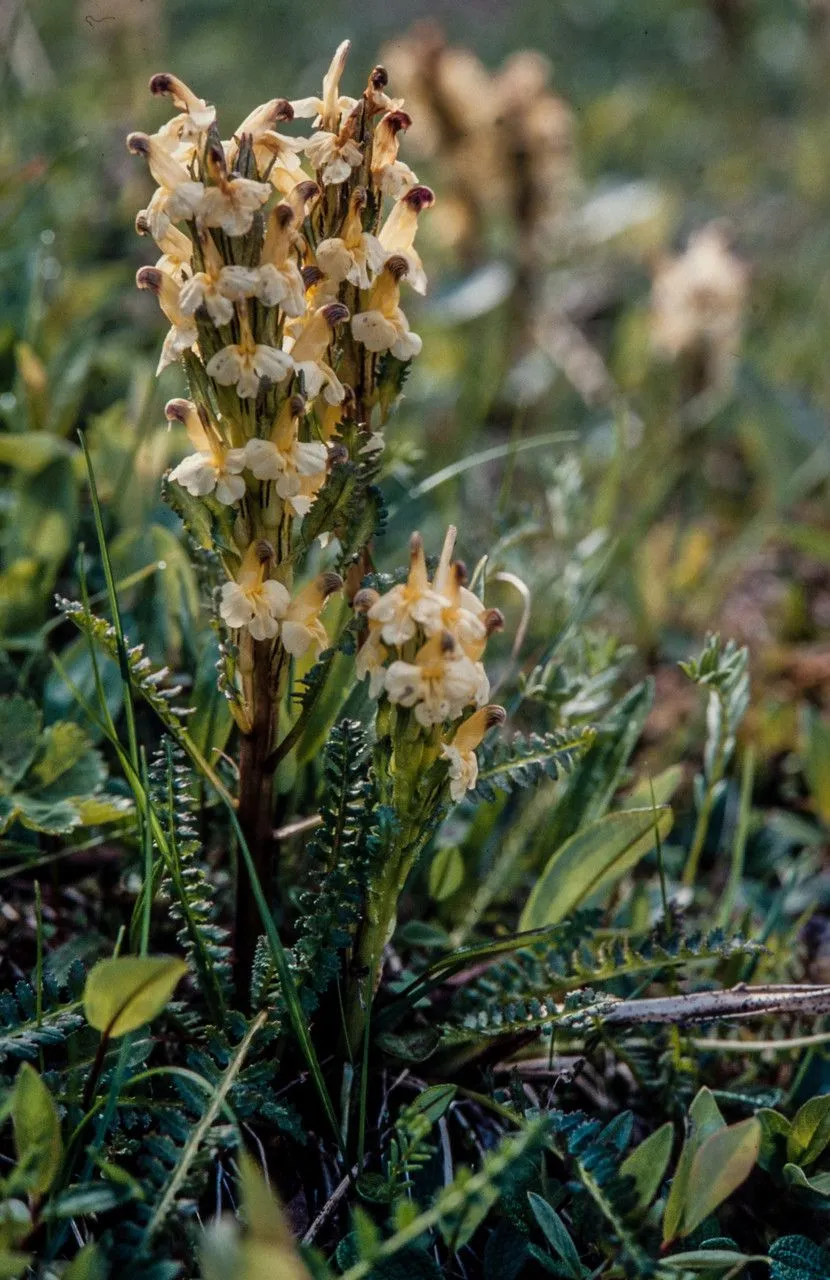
[(629, 505)]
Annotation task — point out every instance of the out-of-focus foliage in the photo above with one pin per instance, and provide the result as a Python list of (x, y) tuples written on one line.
[(623, 404)]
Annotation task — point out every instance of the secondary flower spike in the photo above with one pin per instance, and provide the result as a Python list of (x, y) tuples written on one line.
[(422, 651)]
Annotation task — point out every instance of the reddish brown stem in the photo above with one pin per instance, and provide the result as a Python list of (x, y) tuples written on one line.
[(256, 788)]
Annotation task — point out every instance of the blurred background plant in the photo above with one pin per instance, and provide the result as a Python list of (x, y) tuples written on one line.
[(622, 400)]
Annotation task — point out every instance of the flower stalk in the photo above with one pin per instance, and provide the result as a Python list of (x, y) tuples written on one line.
[(282, 263)]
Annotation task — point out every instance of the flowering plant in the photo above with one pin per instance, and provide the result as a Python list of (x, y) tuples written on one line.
[(283, 292)]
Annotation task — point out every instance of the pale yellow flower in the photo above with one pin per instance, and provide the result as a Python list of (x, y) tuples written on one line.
[(301, 627), (355, 253), (198, 114), (213, 468), (311, 345), (183, 333), (383, 325), (460, 751), (329, 109), (698, 298), (463, 615), (254, 601), (286, 460), (232, 202), (389, 173), (276, 155), (401, 610), (178, 197), (439, 684), (176, 248), (397, 235), (334, 155), (278, 277), (217, 287)]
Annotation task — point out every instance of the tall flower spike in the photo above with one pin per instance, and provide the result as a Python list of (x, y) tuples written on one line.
[(460, 751)]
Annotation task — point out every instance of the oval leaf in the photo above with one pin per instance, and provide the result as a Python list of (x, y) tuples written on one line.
[(810, 1131), (556, 1234), (37, 1131), (592, 859), (647, 1164), (721, 1164), (446, 872), (123, 993)]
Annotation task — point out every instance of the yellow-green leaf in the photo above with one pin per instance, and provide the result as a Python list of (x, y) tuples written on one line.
[(704, 1120), (37, 1131), (446, 872), (647, 1164), (591, 860), (810, 1131), (266, 1251), (721, 1164), (123, 993)]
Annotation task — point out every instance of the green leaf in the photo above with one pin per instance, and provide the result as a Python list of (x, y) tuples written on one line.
[(37, 1131), (54, 817), (794, 1176), (19, 735), (704, 1120), (775, 1129), (708, 1260), (720, 1165), (434, 1101), (410, 1046), (797, 1258), (664, 786), (817, 762), (67, 764), (75, 1202), (556, 1234), (12, 1263), (123, 993), (591, 860), (647, 1164), (599, 772), (87, 1265), (446, 873), (810, 1131)]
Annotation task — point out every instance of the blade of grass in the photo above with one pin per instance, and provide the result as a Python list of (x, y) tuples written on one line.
[(112, 594)]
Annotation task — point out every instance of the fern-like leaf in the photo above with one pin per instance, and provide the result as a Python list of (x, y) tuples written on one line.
[(524, 761)]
